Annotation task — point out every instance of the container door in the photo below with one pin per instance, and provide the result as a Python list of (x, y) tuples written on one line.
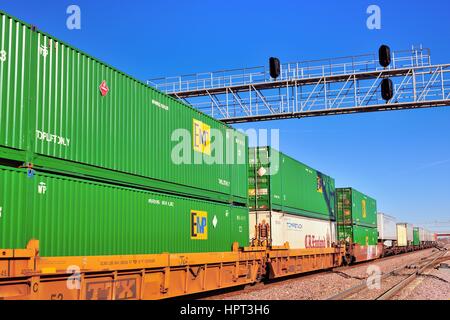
[(259, 181)]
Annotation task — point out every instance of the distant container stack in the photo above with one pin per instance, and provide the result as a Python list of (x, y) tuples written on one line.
[(295, 202), (357, 222), (405, 234), (357, 217)]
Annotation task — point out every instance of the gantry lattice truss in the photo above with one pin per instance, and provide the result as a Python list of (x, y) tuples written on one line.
[(314, 88)]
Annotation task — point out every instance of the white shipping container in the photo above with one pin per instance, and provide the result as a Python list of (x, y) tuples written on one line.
[(300, 232), (422, 235), (405, 234), (402, 240), (387, 227), (410, 232)]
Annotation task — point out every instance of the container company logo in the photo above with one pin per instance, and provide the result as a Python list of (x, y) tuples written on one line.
[(52, 138), (104, 89), (294, 226), (319, 184), (202, 137), (363, 208), (210, 145), (199, 225)]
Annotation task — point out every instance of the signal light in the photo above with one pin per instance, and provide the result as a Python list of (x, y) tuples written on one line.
[(275, 68), (384, 56), (387, 89)]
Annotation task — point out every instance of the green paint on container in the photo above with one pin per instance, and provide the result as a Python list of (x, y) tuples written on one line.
[(74, 217), (416, 237), (354, 207), (279, 182), (55, 115), (358, 234)]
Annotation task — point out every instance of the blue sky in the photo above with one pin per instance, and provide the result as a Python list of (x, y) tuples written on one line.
[(401, 158)]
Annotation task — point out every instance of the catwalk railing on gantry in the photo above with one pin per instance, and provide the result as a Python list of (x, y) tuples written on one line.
[(314, 88)]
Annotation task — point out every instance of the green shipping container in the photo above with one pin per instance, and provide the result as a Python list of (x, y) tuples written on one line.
[(416, 237), (63, 110), (355, 208), (278, 182), (361, 235), (74, 217)]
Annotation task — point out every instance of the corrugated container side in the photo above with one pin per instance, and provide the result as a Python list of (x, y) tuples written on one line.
[(306, 188), (402, 235), (281, 183), (387, 227), (133, 129), (410, 232), (72, 217), (416, 237), (355, 207), (15, 42), (358, 234)]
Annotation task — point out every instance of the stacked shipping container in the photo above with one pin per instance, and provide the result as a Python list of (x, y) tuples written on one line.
[(356, 217), (295, 200), (416, 237), (76, 217), (66, 113), (405, 234), (282, 183)]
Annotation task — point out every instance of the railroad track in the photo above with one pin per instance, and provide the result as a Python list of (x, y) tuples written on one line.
[(390, 286), (370, 262), (273, 284)]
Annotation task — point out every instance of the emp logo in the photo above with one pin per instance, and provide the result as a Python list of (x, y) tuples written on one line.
[(202, 137), (199, 225)]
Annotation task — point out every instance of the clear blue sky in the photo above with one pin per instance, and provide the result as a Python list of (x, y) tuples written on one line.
[(400, 158)]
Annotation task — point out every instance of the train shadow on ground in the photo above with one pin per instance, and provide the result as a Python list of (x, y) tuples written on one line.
[(228, 293)]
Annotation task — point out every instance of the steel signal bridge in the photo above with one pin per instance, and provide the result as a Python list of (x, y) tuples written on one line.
[(314, 88)]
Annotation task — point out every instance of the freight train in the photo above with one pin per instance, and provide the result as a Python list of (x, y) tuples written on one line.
[(111, 189)]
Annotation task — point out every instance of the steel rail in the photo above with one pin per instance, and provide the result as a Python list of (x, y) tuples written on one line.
[(405, 282), (363, 285)]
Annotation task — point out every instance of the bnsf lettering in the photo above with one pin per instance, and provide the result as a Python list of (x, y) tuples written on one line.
[(199, 225)]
